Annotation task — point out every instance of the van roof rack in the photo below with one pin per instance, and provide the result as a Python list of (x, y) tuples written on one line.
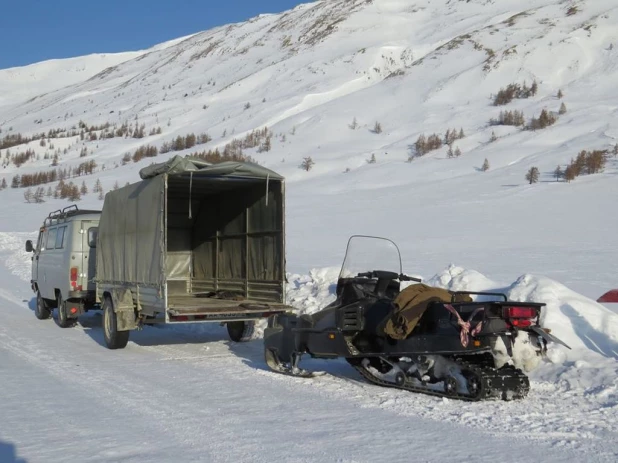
[(69, 211)]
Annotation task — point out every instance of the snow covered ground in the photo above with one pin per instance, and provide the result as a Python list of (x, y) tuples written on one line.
[(186, 393)]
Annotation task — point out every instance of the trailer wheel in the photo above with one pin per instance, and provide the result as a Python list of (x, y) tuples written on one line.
[(241, 331), (42, 310), (114, 339), (62, 318)]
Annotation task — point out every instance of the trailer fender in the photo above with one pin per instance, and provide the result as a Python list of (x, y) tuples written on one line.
[(125, 309)]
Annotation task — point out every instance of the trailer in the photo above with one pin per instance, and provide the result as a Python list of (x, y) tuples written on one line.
[(192, 242)]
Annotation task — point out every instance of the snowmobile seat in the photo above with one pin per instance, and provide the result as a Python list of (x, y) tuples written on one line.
[(430, 319)]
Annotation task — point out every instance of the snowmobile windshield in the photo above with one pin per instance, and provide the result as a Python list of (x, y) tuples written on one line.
[(369, 253)]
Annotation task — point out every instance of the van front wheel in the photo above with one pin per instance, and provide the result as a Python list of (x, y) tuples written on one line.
[(114, 339)]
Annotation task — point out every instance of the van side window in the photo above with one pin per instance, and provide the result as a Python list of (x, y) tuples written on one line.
[(60, 237), (92, 236), (51, 238)]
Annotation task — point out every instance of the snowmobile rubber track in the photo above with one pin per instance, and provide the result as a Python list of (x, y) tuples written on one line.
[(519, 385)]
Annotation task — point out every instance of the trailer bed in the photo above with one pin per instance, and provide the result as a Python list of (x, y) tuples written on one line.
[(193, 307)]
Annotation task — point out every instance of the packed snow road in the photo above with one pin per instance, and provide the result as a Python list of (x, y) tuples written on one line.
[(186, 393)]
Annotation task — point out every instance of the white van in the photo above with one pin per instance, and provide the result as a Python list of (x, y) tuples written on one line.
[(64, 263)]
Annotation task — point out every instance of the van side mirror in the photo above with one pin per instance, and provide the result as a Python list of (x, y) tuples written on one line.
[(29, 247)]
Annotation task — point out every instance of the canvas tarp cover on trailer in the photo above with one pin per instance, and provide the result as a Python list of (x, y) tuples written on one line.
[(179, 165), (130, 243), (131, 246)]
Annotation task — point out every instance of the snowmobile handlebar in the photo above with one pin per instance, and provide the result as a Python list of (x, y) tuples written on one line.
[(384, 274)]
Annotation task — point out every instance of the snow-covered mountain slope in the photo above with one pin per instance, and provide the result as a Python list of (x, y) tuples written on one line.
[(21, 83), (33, 81), (307, 74), (416, 69)]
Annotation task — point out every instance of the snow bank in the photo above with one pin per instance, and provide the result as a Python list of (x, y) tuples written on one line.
[(14, 255)]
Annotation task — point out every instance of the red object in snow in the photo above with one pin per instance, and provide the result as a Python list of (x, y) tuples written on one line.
[(610, 296)]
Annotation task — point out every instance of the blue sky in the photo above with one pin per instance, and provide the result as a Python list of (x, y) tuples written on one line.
[(36, 30)]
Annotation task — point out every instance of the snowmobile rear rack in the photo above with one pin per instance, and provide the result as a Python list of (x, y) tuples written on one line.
[(476, 293)]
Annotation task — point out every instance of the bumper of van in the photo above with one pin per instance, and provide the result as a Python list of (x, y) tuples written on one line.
[(85, 295)]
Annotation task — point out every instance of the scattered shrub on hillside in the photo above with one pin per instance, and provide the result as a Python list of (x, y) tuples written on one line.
[(35, 196), (512, 91), (372, 159), (39, 194), (544, 120), (514, 118), (38, 178), (424, 145), (203, 138), (126, 158), (377, 128), (266, 145), (615, 150), (563, 109), (68, 191), (83, 189), (452, 135), (354, 124), (457, 152), (146, 151), (247, 106), (589, 162), (569, 173), (560, 94), (493, 137), (13, 140), (307, 164), (558, 173), (215, 156), (532, 175), (485, 166), (21, 158), (85, 168), (3, 184), (572, 10)]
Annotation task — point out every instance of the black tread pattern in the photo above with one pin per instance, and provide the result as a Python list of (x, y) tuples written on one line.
[(506, 383)]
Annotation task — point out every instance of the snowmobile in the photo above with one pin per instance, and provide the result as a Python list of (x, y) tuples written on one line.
[(446, 345)]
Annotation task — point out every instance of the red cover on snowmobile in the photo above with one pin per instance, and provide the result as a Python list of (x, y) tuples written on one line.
[(610, 296)]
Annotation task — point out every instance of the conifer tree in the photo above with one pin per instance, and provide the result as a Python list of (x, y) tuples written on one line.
[(532, 175)]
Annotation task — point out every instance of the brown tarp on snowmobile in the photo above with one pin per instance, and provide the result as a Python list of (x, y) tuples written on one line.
[(410, 305)]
